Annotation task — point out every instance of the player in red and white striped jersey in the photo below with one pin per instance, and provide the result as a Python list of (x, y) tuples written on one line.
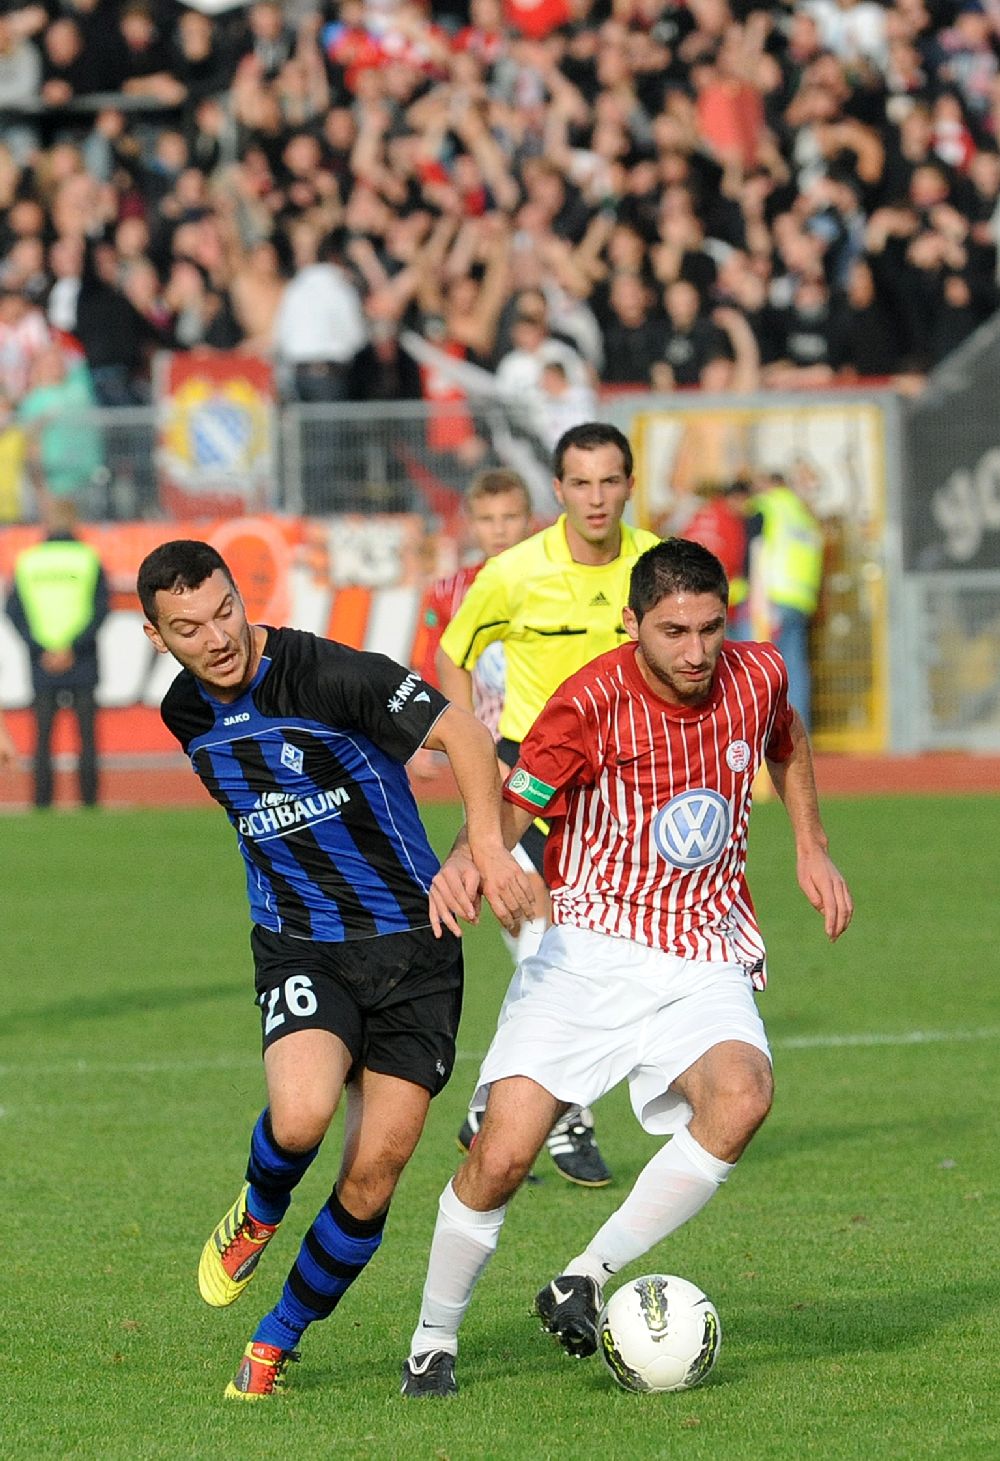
[(684, 772), (643, 762), (440, 606), (498, 508)]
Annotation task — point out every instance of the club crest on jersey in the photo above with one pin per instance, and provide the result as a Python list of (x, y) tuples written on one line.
[(737, 755), (292, 758), (693, 828)]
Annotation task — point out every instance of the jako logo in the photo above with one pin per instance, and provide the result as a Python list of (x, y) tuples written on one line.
[(244, 715), (693, 828)]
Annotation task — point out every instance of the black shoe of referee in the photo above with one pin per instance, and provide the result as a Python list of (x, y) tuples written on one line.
[(467, 1132), (573, 1147)]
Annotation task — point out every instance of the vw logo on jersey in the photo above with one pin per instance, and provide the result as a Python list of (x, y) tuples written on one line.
[(693, 828)]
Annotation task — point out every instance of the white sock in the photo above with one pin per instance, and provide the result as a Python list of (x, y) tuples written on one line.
[(530, 937), (464, 1242), (526, 942), (673, 1186)]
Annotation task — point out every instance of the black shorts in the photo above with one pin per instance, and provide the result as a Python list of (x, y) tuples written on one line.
[(533, 840), (395, 1000)]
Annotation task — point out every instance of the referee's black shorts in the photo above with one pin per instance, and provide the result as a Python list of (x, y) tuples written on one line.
[(394, 1000), (533, 840)]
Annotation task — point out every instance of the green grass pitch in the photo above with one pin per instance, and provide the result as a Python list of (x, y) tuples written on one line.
[(852, 1256)]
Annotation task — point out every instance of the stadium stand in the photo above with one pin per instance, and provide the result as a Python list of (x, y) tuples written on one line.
[(709, 194)]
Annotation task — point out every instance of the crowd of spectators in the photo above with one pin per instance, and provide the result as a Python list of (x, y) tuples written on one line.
[(569, 194)]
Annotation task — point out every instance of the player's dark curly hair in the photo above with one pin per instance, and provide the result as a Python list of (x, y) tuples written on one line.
[(672, 567), (181, 563), (587, 436)]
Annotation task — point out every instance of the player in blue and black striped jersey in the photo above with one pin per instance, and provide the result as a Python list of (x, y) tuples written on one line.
[(303, 742)]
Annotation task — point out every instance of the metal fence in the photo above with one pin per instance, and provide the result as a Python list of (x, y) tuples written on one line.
[(375, 457), (105, 460), (364, 457), (905, 658)]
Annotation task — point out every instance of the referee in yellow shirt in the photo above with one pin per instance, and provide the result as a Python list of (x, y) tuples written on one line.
[(555, 600)]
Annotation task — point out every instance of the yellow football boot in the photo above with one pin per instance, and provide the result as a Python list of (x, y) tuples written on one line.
[(229, 1259), (261, 1372)]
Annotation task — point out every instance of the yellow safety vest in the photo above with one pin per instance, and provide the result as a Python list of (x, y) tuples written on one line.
[(56, 581), (793, 550), (739, 588)]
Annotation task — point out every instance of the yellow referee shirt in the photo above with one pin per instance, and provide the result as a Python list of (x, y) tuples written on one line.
[(554, 616)]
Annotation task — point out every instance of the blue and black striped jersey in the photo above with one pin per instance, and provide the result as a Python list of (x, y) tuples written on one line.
[(309, 766)]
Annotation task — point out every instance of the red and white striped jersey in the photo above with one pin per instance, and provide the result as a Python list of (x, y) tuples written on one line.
[(20, 346), (439, 608), (649, 802)]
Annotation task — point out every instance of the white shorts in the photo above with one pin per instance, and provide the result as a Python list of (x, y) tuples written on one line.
[(588, 1010)]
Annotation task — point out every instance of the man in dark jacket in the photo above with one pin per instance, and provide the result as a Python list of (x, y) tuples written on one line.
[(57, 604)]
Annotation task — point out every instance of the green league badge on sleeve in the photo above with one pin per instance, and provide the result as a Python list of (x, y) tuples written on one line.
[(530, 789)]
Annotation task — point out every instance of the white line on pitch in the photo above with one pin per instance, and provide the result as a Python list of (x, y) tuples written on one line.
[(903, 1037), (792, 1042)]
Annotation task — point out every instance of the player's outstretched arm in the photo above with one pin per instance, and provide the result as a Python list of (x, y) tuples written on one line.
[(469, 747), (455, 682), (818, 876), (457, 886), (455, 890)]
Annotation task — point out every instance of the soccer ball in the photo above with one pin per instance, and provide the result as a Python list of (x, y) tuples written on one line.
[(659, 1333)]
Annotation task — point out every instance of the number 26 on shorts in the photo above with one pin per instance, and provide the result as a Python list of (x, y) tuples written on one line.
[(299, 1000)]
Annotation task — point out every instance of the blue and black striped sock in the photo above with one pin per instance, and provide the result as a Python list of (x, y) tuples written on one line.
[(272, 1172), (333, 1253)]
